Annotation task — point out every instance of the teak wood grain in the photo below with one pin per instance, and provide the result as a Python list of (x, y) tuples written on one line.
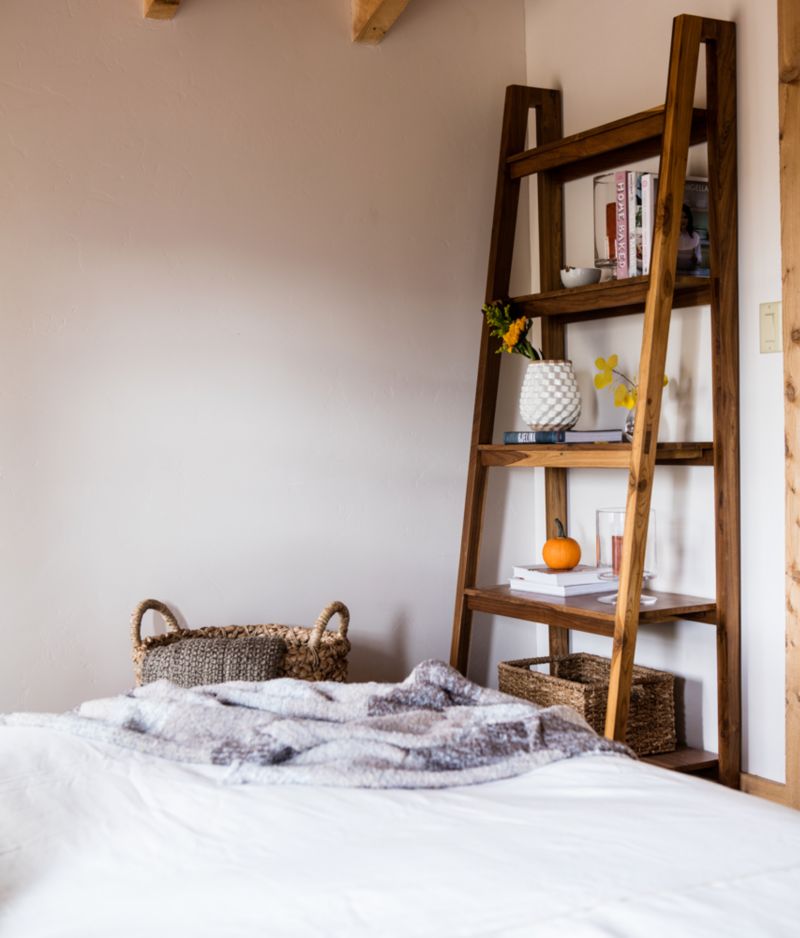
[(766, 788), (684, 759), (372, 19), (593, 151), (583, 613), (677, 120), (591, 455), (723, 238), (789, 115), (599, 299), (554, 337), (160, 9)]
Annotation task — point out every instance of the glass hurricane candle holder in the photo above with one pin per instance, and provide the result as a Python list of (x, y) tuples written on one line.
[(605, 224), (610, 531)]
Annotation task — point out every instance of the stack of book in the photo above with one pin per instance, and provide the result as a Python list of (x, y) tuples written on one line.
[(563, 436), (625, 212), (564, 583)]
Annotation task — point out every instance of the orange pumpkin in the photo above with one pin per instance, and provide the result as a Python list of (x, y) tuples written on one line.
[(561, 552)]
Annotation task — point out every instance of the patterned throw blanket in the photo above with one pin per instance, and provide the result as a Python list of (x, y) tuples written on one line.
[(433, 730)]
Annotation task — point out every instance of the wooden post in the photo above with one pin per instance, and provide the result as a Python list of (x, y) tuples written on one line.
[(554, 345), (723, 237), (789, 91), (684, 54), (519, 101)]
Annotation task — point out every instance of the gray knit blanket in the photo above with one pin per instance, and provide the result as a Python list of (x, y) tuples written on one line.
[(433, 730)]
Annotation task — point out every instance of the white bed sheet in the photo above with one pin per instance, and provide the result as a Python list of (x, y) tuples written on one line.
[(95, 841)]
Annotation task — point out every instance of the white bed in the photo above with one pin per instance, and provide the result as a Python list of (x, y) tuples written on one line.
[(98, 841)]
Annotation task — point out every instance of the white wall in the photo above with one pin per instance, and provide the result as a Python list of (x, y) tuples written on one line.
[(609, 60), (241, 268)]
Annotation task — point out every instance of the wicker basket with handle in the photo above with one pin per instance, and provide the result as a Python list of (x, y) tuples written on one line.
[(581, 681), (312, 654)]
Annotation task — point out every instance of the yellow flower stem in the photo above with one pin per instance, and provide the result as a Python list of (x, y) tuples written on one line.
[(625, 378)]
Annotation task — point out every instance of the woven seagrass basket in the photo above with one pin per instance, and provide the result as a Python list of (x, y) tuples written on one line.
[(581, 681), (312, 654)]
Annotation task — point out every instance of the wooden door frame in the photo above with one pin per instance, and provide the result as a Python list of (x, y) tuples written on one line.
[(789, 123), (789, 137)]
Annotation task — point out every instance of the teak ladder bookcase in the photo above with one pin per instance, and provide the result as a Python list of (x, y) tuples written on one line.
[(668, 130)]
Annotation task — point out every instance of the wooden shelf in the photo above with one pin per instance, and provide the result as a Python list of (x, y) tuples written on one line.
[(590, 455), (684, 759), (610, 298), (632, 138), (583, 613)]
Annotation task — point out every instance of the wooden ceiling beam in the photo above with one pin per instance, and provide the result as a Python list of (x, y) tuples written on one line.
[(372, 19), (161, 9)]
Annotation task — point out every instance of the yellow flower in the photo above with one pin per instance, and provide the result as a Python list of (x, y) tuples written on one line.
[(626, 392), (602, 364), (623, 397), (512, 336), (604, 375)]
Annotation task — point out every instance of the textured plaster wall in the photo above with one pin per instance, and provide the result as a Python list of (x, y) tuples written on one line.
[(240, 266), (614, 64)]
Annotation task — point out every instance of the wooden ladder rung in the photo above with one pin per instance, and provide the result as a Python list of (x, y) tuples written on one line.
[(610, 298), (590, 455), (593, 151)]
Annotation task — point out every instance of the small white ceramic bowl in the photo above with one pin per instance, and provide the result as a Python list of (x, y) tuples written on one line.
[(580, 276)]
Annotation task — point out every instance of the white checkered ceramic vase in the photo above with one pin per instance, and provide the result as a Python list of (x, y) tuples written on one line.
[(550, 399)]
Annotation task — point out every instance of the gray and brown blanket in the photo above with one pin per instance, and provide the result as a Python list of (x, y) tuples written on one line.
[(433, 730)]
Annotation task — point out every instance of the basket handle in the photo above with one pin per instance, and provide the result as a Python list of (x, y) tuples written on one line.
[(323, 619), (136, 619)]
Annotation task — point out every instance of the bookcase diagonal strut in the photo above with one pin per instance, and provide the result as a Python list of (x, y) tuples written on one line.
[(668, 132)]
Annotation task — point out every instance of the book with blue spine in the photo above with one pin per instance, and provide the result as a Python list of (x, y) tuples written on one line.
[(533, 436), (519, 437)]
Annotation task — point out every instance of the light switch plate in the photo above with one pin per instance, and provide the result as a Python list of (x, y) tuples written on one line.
[(769, 327)]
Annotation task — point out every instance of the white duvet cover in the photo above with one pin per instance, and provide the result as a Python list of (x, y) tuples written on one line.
[(96, 841)]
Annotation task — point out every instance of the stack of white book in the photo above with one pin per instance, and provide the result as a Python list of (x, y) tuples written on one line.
[(575, 582)]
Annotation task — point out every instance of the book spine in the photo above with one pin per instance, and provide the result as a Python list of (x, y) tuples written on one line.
[(555, 579), (533, 436), (611, 231), (648, 219), (526, 586), (634, 223), (587, 436), (695, 196), (621, 201), (630, 179)]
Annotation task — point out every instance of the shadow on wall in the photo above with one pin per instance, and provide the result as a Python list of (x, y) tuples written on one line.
[(689, 710), (482, 664), (379, 659)]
